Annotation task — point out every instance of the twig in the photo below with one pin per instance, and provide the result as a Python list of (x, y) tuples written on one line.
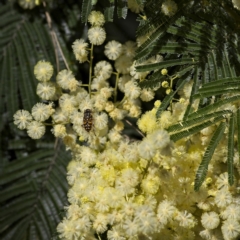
[(134, 128), (90, 70), (54, 39)]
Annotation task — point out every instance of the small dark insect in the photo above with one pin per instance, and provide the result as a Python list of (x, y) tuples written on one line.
[(87, 120)]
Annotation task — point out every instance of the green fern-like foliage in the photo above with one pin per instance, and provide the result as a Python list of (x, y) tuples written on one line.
[(199, 43), (33, 175)]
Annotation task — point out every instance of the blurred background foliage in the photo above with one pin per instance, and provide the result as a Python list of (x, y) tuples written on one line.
[(199, 43)]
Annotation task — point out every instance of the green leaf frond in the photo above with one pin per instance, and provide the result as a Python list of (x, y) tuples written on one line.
[(202, 169), (23, 37), (193, 130), (166, 101), (195, 121), (122, 8), (35, 188), (108, 13), (86, 9)]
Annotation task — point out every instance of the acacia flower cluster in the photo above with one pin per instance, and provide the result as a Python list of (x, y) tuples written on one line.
[(123, 188)]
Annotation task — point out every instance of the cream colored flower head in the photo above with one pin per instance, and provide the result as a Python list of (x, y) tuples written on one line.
[(169, 8), (35, 130), (96, 18), (129, 48), (22, 118), (42, 112), (103, 70), (43, 71), (66, 80), (80, 50), (113, 50), (96, 35), (46, 90)]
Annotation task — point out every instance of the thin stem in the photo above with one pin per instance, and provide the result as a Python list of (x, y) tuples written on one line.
[(122, 101), (134, 128), (90, 70), (54, 39), (49, 22), (48, 124), (116, 85), (61, 52)]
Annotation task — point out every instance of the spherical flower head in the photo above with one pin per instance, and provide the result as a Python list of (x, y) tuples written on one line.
[(148, 122), (223, 198), (96, 18), (232, 211), (165, 84), (169, 8), (117, 114), (132, 90), (42, 112), (96, 35), (88, 156), (59, 116), (100, 223), (186, 219), (151, 184), (129, 49), (135, 74), (109, 107), (103, 70), (147, 95), (123, 63), (168, 91), (222, 181), (46, 90), (80, 47), (114, 136), (66, 80), (134, 111), (122, 81), (164, 71), (160, 138), (230, 229), (43, 71), (113, 50), (210, 220), (35, 130), (99, 102), (146, 149), (131, 227), (115, 234), (22, 118), (166, 210), (59, 130), (80, 50), (131, 176), (157, 103), (73, 85), (101, 121), (106, 92)]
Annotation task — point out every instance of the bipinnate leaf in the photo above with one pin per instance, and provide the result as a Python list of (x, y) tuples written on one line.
[(203, 168)]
